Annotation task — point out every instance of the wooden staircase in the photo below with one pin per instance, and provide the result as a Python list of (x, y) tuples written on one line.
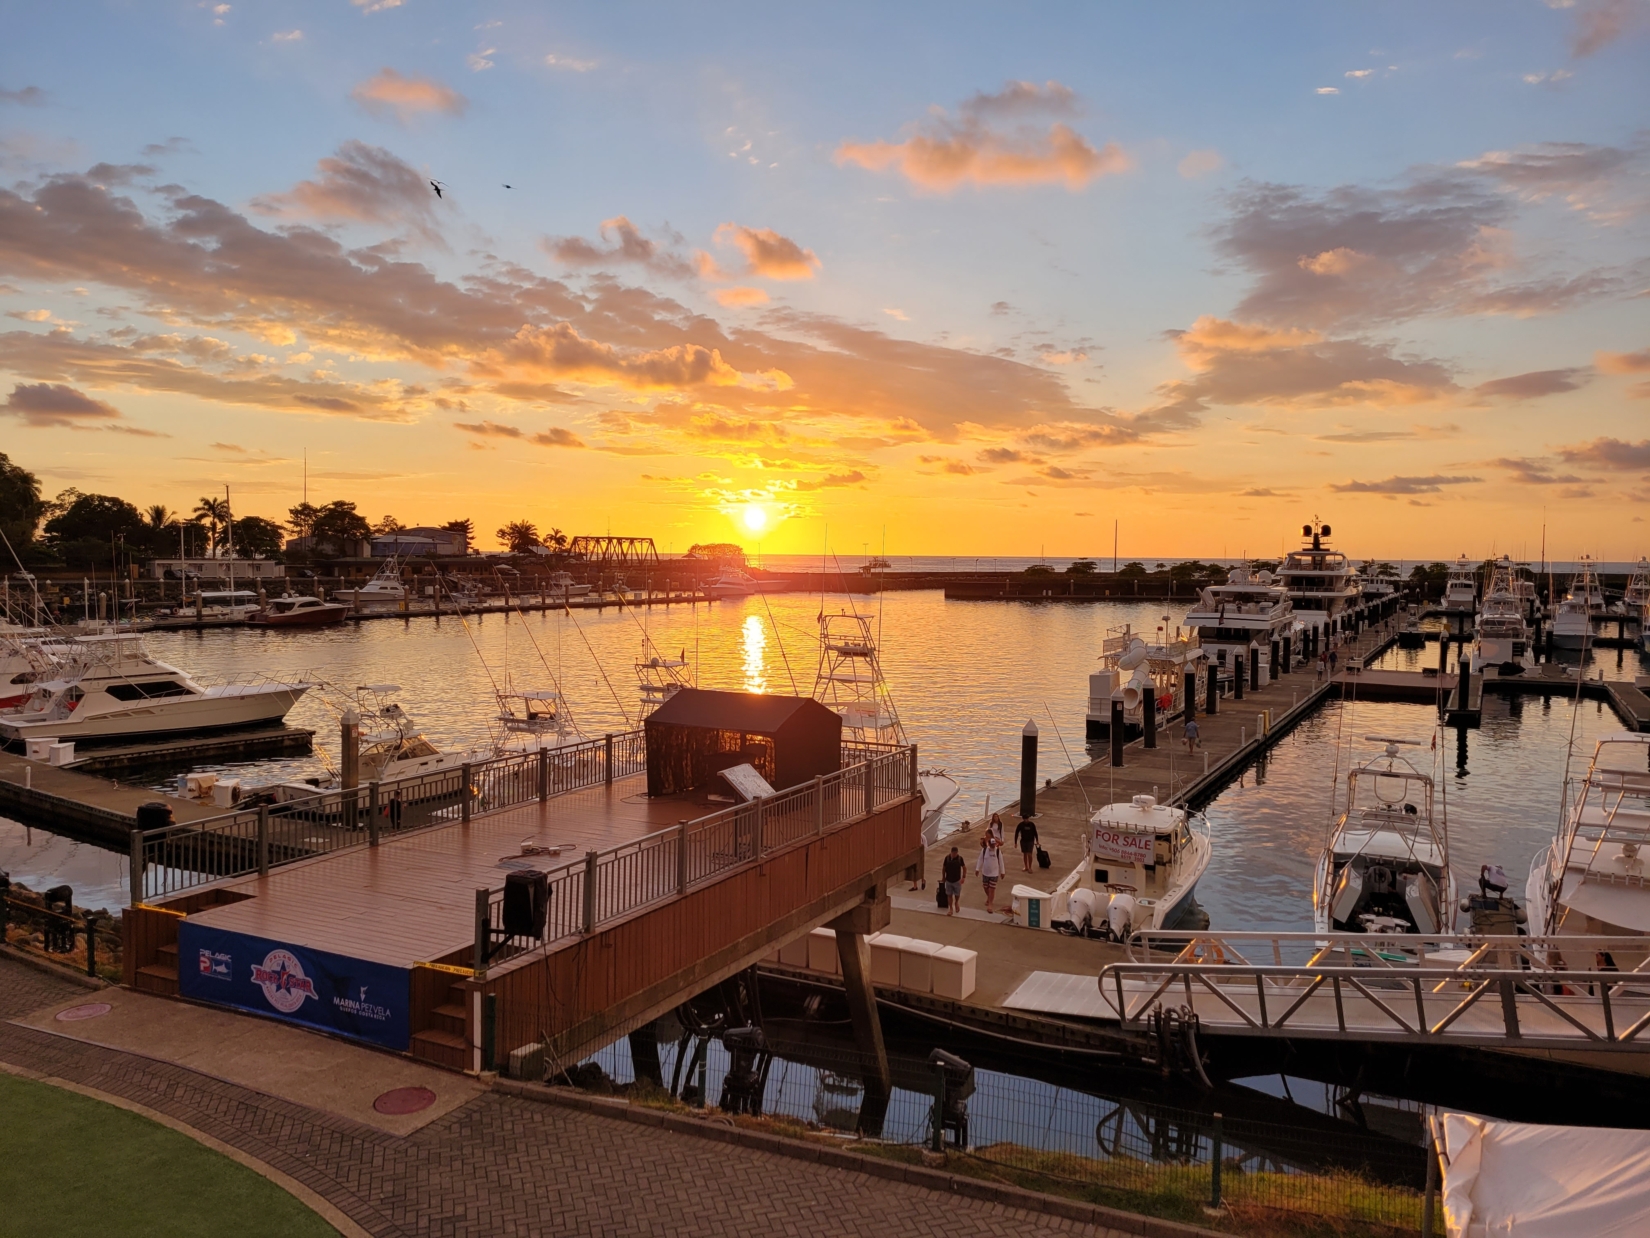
[(446, 1041), (160, 976)]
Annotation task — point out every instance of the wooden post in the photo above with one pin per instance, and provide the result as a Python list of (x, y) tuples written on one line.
[(682, 858), (483, 932), (819, 805), (464, 793), (1116, 731), (1212, 706), (263, 840), (1148, 717), (135, 875), (349, 765), (855, 953), (544, 774), (372, 813), (1254, 668), (489, 1030), (607, 759), (590, 891), (1028, 769)]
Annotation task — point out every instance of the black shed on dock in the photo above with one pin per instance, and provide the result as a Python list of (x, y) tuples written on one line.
[(696, 733)]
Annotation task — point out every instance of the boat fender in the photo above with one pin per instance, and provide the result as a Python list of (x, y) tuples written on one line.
[(1120, 915)]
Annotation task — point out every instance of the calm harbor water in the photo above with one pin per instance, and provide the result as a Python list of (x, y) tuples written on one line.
[(965, 677)]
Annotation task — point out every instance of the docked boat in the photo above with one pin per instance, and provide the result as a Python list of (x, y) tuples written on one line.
[(1583, 602), (1140, 869), (1136, 671), (383, 591), (849, 681), (732, 583), (1318, 579), (1635, 600), (213, 606), (1501, 638), (1249, 611), (1386, 866), (562, 587), (659, 676), (298, 611), (112, 688), (1590, 882), (533, 720), (1460, 588)]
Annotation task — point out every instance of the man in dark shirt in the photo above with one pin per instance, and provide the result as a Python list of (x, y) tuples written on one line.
[(953, 870), (1025, 836)]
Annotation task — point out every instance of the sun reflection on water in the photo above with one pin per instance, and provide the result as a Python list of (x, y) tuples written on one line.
[(754, 644)]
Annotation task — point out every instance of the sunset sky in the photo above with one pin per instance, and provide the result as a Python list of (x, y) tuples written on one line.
[(957, 279)]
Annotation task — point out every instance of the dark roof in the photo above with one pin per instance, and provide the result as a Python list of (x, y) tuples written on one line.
[(733, 711)]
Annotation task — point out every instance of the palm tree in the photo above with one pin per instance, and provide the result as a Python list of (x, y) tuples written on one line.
[(520, 536), (159, 516), (214, 512), (556, 539)]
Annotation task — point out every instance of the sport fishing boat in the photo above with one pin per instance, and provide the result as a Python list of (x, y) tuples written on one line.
[(733, 583), (1502, 638), (1460, 589), (109, 687), (533, 720), (298, 611), (562, 586), (849, 681), (384, 590), (1318, 579), (1250, 611), (1386, 867), (1583, 601), (659, 676), (1137, 672), (1139, 872), (1590, 882)]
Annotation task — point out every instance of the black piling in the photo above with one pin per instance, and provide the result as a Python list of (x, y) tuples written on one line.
[(1254, 668), (1288, 662), (1272, 670), (1212, 706), (1189, 691), (1028, 768), (1240, 672)]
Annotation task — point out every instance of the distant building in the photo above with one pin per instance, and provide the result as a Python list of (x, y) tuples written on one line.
[(421, 541), (216, 569)]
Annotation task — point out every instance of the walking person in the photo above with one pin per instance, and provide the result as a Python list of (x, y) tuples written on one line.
[(1025, 837), (995, 829), (990, 868), (1191, 735), (952, 871)]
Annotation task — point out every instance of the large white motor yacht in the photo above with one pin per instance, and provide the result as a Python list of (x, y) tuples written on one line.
[(1140, 869), (1460, 589), (1502, 638), (1251, 610), (733, 583), (1386, 867), (1573, 620), (1318, 579), (383, 590), (111, 688), (849, 681), (1591, 881)]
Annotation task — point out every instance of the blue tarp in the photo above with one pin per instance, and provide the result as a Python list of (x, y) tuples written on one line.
[(353, 997)]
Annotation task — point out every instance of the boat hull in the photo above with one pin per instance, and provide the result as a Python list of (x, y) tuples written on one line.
[(315, 617), (228, 710)]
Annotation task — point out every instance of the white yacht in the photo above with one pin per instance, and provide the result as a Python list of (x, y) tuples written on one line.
[(383, 590), (562, 586), (1635, 600), (1138, 671), (1501, 638), (660, 676), (1460, 589), (849, 681), (532, 720), (111, 688), (1573, 621), (1386, 867), (733, 583), (1318, 579), (1139, 872), (1591, 880), (1251, 610)]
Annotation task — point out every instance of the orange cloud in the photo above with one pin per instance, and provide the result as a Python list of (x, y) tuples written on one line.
[(947, 151), (768, 254), (732, 297), (561, 352), (360, 182), (389, 93), (1623, 362)]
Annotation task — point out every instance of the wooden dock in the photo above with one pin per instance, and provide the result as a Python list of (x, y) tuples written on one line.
[(80, 805)]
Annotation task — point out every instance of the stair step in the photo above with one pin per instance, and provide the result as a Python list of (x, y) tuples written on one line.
[(447, 1040), (169, 951), (451, 1011), (160, 971)]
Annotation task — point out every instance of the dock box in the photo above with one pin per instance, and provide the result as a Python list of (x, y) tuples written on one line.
[(954, 969), (794, 953), (916, 965), (37, 749), (822, 955), (60, 754), (885, 951)]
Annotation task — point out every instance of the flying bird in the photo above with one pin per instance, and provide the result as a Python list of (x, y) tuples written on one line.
[(509, 186), (436, 185)]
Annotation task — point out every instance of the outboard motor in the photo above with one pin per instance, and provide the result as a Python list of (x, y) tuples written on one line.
[(1081, 904), (1120, 916)]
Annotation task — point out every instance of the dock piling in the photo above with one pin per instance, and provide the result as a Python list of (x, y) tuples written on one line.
[(135, 876), (1028, 769), (1188, 689), (1212, 707), (1239, 674), (1254, 668)]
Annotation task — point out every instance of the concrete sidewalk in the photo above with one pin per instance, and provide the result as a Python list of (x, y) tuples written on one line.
[(494, 1164)]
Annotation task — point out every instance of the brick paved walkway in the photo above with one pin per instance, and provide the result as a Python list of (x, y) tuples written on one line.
[(501, 1165)]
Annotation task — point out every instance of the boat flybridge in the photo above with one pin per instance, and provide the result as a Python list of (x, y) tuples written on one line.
[(1318, 579), (1460, 588), (1139, 871), (1502, 638), (1251, 610), (1573, 620), (1590, 882), (660, 676), (1386, 867), (849, 681), (109, 687), (533, 719)]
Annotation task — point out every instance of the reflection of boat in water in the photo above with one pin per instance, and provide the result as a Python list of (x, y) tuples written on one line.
[(109, 687), (849, 681), (1386, 867), (1141, 864), (1591, 880)]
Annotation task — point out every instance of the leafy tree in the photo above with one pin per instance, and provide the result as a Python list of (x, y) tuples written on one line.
[(389, 524), (336, 524), (465, 526), (214, 514), (20, 507), (1039, 569), (721, 552), (519, 536), (159, 516), (256, 537), (1132, 571), (96, 516), (1081, 567), (556, 539), (301, 519)]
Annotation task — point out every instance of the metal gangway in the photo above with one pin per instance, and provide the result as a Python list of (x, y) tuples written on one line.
[(1569, 992)]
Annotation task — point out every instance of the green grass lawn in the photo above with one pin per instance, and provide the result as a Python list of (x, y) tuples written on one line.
[(70, 1165)]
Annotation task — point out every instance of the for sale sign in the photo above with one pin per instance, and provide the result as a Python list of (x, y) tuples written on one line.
[(1124, 846)]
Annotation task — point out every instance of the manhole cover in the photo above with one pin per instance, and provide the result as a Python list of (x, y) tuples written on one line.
[(87, 1010), (401, 1100)]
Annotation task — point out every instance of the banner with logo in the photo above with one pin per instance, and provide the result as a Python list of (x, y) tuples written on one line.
[(368, 1001)]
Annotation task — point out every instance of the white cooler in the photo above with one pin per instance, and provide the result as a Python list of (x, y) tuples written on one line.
[(954, 972), (885, 951), (822, 955), (916, 965)]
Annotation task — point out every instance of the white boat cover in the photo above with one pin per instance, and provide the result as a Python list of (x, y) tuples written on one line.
[(1543, 1181)]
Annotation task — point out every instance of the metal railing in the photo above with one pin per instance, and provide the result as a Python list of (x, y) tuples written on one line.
[(172, 859), (608, 885), (1439, 989)]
